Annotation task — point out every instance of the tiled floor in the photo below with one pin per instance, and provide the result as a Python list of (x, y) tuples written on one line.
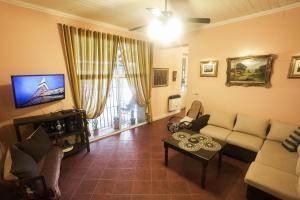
[(131, 166)]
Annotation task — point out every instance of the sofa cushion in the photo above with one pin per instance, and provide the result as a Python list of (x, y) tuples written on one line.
[(251, 125), (273, 181), (222, 119), (280, 131), (298, 167), (292, 141), (7, 175), (274, 155), (23, 165), (245, 141), (37, 145), (215, 132)]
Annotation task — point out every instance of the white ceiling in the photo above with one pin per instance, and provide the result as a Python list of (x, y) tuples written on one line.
[(131, 13)]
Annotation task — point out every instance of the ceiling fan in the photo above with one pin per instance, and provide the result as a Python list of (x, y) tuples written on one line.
[(165, 15)]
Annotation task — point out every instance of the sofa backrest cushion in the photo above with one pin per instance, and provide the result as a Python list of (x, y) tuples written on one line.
[(280, 131), (3, 150), (251, 125), (37, 145), (298, 186), (298, 162), (222, 119)]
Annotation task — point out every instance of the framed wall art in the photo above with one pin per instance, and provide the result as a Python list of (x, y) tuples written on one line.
[(160, 77), (209, 68), (294, 71), (174, 76), (250, 70)]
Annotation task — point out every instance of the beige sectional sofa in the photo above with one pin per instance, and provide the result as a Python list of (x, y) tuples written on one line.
[(274, 174)]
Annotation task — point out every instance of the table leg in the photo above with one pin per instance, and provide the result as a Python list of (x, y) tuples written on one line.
[(166, 155), (203, 175), (220, 159)]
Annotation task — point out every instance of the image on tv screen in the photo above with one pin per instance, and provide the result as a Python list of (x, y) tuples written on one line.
[(37, 89)]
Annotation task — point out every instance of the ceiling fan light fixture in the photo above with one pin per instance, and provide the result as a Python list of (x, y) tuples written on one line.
[(165, 32), (156, 12)]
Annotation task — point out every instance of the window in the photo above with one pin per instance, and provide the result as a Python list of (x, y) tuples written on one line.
[(121, 110)]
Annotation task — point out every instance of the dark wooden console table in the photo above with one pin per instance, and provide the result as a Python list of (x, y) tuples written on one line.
[(60, 125)]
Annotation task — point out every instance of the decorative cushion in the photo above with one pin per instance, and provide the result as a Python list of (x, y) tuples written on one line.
[(292, 141), (37, 145), (7, 175), (23, 166), (251, 125), (221, 119), (280, 131), (199, 123)]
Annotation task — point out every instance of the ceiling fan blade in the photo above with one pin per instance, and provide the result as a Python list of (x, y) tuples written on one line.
[(198, 20), (138, 27)]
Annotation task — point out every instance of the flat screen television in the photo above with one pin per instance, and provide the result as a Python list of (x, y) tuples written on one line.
[(32, 90)]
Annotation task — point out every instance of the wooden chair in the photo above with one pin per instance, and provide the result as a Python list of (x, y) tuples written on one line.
[(175, 123)]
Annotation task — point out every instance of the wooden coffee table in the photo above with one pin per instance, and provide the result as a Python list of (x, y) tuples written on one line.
[(204, 156)]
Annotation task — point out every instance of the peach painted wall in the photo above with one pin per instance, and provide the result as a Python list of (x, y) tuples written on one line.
[(166, 58), (30, 44), (277, 34)]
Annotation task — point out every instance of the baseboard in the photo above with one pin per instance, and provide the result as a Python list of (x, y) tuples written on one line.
[(165, 115)]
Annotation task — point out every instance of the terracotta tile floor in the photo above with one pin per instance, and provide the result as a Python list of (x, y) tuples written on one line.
[(131, 166)]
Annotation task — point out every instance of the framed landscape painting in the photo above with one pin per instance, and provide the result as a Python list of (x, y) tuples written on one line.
[(160, 77), (250, 70), (294, 71), (209, 68)]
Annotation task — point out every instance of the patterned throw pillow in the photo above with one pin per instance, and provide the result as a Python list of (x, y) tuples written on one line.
[(291, 143)]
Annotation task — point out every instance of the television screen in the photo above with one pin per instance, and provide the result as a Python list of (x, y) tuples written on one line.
[(31, 90)]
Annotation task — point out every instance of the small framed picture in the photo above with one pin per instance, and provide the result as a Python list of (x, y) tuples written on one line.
[(294, 71), (174, 75), (209, 68), (160, 77)]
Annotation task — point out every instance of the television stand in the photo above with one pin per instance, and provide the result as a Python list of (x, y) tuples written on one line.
[(60, 126)]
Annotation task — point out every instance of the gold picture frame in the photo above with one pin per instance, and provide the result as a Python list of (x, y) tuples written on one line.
[(294, 70), (209, 68), (250, 70), (160, 77)]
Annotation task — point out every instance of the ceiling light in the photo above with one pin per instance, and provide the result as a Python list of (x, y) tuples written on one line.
[(156, 12), (165, 32)]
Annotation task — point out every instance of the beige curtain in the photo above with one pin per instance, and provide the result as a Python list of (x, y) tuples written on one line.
[(90, 58), (137, 57)]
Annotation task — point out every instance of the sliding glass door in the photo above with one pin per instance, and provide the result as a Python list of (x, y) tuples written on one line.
[(121, 110)]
